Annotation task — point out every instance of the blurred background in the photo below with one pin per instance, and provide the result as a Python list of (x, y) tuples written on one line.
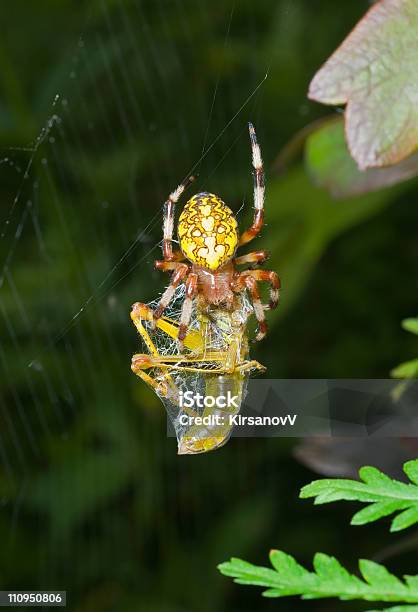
[(105, 106)]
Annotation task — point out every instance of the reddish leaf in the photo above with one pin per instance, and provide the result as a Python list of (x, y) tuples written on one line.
[(375, 72)]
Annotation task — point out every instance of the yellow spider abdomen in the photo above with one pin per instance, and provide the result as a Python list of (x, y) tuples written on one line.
[(207, 231)]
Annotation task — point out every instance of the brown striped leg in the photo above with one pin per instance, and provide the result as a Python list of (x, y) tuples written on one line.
[(252, 232), (271, 277), (168, 226), (251, 285), (186, 311), (257, 257), (167, 266), (178, 275)]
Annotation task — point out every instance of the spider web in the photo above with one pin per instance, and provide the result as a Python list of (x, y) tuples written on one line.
[(215, 334), (81, 225), (218, 333)]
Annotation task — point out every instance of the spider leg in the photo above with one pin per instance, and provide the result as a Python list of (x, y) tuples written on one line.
[(271, 277), (252, 232), (257, 257), (251, 285), (167, 266), (179, 274), (249, 279), (168, 226), (186, 311)]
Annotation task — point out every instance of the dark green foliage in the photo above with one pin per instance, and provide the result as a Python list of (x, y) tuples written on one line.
[(92, 495)]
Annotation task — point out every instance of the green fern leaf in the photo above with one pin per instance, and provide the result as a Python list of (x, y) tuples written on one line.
[(405, 519), (384, 495), (412, 581), (397, 609), (408, 369), (377, 575), (329, 579), (375, 511), (410, 325), (411, 470)]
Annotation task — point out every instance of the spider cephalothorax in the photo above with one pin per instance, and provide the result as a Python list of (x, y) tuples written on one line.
[(207, 231), (208, 236)]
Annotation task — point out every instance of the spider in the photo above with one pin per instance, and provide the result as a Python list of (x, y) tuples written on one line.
[(214, 332), (208, 238)]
